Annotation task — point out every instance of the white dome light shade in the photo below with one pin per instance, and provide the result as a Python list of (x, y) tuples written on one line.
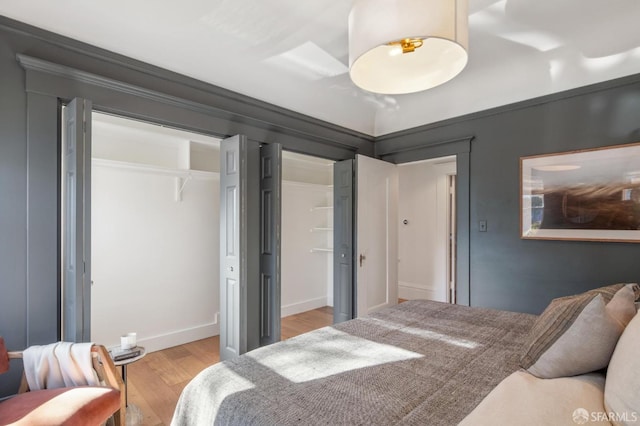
[(437, 29)]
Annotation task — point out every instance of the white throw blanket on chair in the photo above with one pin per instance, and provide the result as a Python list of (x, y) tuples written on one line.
[(59, 365)]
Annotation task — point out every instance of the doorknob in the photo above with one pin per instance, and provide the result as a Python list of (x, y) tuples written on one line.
[(362, 257)]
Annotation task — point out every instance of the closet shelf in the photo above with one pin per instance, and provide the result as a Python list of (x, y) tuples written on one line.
[(321, 250), (148, 168), (321, 208), (320, 229)]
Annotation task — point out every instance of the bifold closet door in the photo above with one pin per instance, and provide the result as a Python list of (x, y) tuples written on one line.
[(76, 226), (343, 282), (270, 235), (250, 199)]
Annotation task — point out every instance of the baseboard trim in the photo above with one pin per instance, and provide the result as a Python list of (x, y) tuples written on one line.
[(378, 307), (180, 337), (413, 291), (307, 305)]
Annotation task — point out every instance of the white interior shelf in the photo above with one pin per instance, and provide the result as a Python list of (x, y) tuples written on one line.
[(321, 208), (147, 168), (321, 250), (324, 230)]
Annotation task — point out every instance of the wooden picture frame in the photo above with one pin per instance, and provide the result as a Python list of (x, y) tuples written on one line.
[(587, 195)]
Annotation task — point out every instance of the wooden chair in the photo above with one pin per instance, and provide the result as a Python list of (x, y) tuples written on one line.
[(83, 405)]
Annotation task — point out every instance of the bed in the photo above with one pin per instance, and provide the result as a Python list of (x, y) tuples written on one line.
[(420, 362)]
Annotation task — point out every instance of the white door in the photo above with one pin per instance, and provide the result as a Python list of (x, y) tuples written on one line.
[(377, 236)]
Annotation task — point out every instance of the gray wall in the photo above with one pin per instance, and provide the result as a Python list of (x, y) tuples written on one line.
[(13, 206), (38, 70), (524, 275), (503, 271)]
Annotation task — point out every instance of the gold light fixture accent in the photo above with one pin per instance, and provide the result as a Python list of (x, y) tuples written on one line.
[(408, 45), (435, 32)]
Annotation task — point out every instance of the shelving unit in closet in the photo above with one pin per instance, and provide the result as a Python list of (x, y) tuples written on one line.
[(324, 228)]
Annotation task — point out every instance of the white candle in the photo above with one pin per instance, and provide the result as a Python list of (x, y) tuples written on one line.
[(133, 337), (124, 342)]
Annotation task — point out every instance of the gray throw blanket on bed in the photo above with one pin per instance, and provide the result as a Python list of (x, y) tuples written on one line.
[(418, 363)]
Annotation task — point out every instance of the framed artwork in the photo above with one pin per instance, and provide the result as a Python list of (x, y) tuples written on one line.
[(589, 195)]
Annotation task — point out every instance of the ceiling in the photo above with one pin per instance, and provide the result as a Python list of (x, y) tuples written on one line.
[(294, 53)]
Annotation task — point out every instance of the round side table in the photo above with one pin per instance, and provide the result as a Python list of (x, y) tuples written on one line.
[(123, 363)]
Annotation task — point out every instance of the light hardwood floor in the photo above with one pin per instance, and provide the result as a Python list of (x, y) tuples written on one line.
[(155, 382)]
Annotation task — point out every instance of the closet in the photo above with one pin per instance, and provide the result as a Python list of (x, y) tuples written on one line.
[(155, 233), (307, 233)]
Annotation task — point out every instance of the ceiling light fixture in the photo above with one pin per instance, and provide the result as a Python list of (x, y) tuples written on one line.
[(405, 46)]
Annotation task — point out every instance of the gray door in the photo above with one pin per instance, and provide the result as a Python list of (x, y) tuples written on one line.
[(250, 200), (270, 231), (76, 226), (343, 283)]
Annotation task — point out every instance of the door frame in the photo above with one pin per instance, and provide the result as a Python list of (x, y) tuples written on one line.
[(451, 239), (438, 175), (461, 148)]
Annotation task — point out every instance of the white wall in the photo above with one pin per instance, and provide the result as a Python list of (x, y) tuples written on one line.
[(422, 267), (306, 275), (304, 168), (155, 260)]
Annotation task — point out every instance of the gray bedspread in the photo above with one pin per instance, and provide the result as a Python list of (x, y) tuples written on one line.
[(417, 363)]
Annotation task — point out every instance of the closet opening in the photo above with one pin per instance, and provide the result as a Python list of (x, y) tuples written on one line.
[(154, 233), (307, 243)]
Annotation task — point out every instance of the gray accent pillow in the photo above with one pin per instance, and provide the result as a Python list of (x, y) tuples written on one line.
[(577, 334)]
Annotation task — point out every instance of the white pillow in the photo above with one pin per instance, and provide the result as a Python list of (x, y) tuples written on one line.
[(525, 400), (622, 391)]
